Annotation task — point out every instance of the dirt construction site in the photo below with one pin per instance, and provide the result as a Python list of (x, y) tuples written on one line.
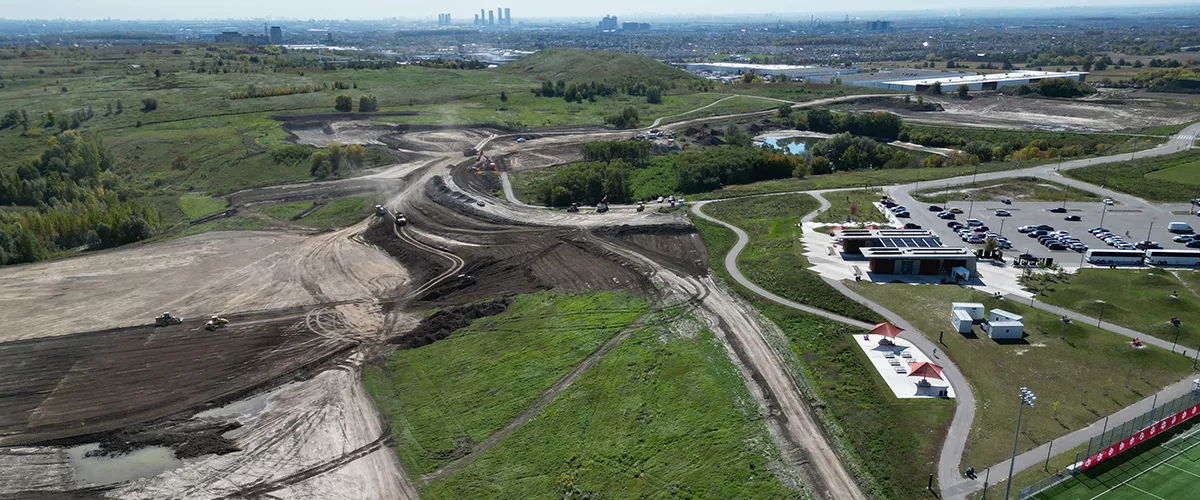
[(97, 402)]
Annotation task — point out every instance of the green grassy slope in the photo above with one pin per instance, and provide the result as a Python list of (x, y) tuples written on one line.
[(589, 65)]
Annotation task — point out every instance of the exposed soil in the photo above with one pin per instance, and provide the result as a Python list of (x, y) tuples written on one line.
[(441, 324), (188, 440)]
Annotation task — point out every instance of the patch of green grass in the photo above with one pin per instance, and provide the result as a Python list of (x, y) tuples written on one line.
[(288, 211), (1188, 173), (1138, 177), (774, 258), (594, 66), (1015, 188), (664, 414), (797, 91), (738, 104), (853, 398), (1058, 462), (1088, 372), (453, 393), (862, 202), (1139, 299), (195, 206), (340, 212)]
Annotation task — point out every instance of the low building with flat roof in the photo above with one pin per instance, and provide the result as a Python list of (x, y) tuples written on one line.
[(919, 261), (788, 70), (855, 240), (980, 82)]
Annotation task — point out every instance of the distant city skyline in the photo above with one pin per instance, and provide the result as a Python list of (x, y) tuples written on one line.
[(462, 10)]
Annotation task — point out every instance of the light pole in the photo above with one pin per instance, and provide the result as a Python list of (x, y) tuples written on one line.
[(1103, 211), (1101, 318), (1176, 341), (1027, 398), (974, 174), (971, 209)]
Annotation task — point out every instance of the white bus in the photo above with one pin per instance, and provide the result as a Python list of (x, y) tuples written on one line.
[(1115, 257), (1188, 258)]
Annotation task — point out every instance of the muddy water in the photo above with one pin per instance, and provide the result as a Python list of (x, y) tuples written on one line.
[(243, 411), (142, 463)]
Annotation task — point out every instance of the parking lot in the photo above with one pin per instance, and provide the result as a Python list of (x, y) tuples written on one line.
[(1117, 218)]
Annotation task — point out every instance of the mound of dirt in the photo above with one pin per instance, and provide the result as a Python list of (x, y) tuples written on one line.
[(676, 246), (187, 440), (421, 265), (442, 323)]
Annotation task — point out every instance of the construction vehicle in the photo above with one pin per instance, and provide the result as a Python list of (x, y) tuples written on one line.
[(380, 211), (466, 279), (215, 322), (165, 319), (641, 207), (573, 208), (400, 219), (603, 205)]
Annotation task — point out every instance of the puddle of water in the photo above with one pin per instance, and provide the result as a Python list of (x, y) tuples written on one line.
[(240, 408), (792, 147), (142, 463)]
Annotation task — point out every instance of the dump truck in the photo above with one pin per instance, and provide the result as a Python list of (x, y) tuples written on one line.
[(165, 319)]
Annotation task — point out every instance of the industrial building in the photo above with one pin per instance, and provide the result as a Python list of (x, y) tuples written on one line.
[(978, 82), (276, 35), (236, 37), (717, 70)]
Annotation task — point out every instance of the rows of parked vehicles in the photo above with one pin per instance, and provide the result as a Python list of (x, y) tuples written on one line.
[(975, 232), (897, 209), (1114, 240), (1051, 239)]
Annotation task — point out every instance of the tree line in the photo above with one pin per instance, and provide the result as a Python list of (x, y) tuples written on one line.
[(336, 161), (74, 200), (879, 124)]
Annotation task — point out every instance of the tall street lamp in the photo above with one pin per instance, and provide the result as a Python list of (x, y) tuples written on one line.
[(1103, 211), (1027, 398), (1101, 318)]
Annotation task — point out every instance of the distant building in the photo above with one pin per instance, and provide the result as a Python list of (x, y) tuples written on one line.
[(235, 37), (979, 82), (635, 26), (276, 35), (879, 26), (507, 16), (609, 23), (476, 19), (443, 19), (491, 18)]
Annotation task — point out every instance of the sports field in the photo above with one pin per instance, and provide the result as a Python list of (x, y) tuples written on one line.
[(1168, 468)]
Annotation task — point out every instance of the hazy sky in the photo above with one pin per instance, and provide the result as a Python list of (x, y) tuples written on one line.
[(463, 9)]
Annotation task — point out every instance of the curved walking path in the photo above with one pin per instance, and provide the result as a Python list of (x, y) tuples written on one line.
[(964, 413)]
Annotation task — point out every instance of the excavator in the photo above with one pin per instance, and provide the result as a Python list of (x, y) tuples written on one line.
[(215, 322), (165, 319)]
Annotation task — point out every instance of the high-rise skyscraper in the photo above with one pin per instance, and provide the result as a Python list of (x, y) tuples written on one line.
[(476, 19), (491, 18), (276, 35), (507, 16)]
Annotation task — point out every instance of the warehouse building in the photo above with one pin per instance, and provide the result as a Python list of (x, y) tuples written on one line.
[(718, 69), (978, 82)]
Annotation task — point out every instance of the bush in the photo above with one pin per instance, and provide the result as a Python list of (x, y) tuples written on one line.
[(149, 104), (343, 103)]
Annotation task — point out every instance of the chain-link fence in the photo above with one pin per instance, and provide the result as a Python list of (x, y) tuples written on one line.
[(1113, 435)]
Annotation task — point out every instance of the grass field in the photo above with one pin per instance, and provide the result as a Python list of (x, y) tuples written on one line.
[(665, 414), (442, 398), (774, 258), (1016, 188), (1088, 372), (1139, 299), (852, 398), (195, 206), (1168, 178), (841, 202), (1166, 467), (339, 212)]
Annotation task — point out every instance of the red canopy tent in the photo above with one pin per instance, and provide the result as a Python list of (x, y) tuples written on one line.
[(886, 329), (925, 369)]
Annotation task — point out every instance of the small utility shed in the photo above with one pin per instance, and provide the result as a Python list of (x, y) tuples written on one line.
[(1004, 325), (973, 309), (961, 320)]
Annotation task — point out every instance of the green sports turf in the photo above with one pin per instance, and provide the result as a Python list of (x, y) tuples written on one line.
[(1169, 469)]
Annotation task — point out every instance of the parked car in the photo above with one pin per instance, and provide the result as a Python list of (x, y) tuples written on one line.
[(903, 214), (1026, 229), (1054, 245), (974, 222), (1193, 244), (1035, 234), (1126, 246), (1183, 238), (1045, 227), (1003, 213), (1079, 247), (1147, 245), (1058, 210), (1006, 201), (945, 215), (1108, 201), (1005, 244), (520, 139), (955, 210), (975, 239), (935, 208), (912, 225), (1072, 218), (954, 224)]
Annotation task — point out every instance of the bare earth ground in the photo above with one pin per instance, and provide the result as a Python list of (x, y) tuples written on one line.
[(1108, 111)]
